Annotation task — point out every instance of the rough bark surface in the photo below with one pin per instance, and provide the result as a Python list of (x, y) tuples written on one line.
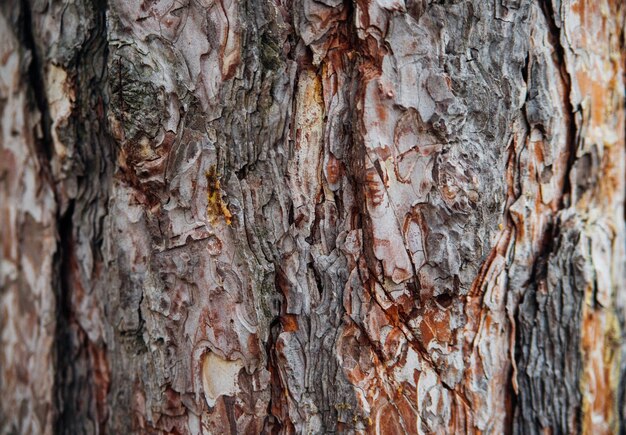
[(312, 216)]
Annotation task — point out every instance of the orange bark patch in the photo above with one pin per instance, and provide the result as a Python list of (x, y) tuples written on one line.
[(600, 345), (289, 323), (215, 203)]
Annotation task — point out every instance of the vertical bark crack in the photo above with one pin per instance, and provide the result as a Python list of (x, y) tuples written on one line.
[(75, 375), (36, 80), (65, 354)]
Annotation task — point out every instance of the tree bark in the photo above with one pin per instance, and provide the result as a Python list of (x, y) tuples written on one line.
[(263, 216)]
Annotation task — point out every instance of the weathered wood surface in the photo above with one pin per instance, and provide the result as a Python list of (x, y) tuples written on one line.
[(246, 216)]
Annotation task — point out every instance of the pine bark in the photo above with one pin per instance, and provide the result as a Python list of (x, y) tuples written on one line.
[(312, 216)]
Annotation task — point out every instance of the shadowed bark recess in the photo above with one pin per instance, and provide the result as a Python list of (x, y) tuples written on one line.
[(261, 216)]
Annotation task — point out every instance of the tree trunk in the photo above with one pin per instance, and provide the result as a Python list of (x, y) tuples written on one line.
[(315, 216)]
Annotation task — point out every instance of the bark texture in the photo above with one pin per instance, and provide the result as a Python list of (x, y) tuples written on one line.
[(312, 216)]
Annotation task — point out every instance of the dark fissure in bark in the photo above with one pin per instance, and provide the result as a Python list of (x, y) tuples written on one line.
[(69, 340), (75, 384), (65, 381), (273, 423), (36, 81)]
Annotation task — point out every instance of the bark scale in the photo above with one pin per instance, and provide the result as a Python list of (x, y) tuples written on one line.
[(255, 216)]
